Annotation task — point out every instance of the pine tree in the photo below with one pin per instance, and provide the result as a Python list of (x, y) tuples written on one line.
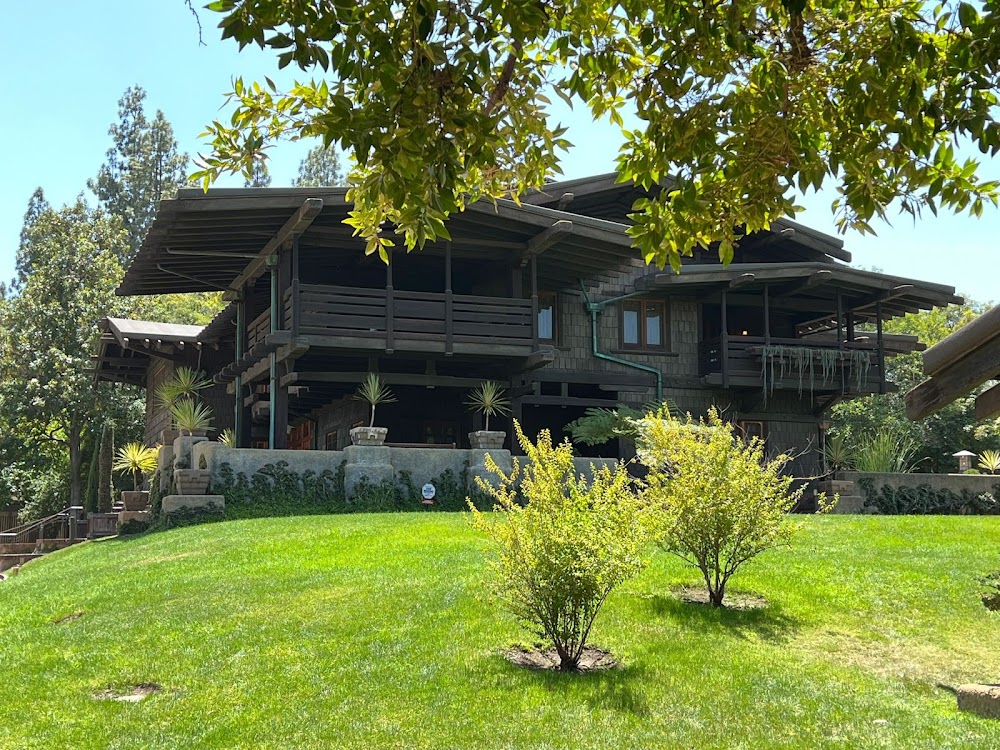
[(320, 168), (37, 205), (260, 177), (142, 167)]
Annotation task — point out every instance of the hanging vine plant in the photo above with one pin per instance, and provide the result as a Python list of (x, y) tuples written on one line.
[(802, 361)]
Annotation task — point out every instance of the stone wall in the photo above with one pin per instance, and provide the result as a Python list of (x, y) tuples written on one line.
[(372, 463), (974, 483)]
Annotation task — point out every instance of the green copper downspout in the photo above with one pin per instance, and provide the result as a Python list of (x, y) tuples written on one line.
[(595, 308)]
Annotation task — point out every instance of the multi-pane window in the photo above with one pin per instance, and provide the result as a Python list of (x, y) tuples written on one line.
[(644, 324), (548, 305)]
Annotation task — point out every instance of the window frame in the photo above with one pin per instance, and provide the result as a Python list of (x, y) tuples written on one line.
[(554, 296), (643, 344)]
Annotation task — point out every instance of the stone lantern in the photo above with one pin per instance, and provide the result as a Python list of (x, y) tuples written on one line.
[(964, 460)]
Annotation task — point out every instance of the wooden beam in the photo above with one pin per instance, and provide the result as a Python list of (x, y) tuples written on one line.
[(546, 239), (988, 403), (813, 280), (292, 228), (866, 302), (966, 339), (390, 378), (742, 279), (954, 381)]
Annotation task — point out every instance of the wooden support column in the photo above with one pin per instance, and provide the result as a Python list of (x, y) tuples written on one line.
[(449, 313), (296, 302), (767, 315), (724, 343), (534, 301), (390, 336), (278, 429), (850, 327), (881, 347), (840, 339), (241, 422)]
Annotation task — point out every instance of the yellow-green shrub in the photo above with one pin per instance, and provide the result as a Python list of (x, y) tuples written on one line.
[(567, 547), (719, 501)]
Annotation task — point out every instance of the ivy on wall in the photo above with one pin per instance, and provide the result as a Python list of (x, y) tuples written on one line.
[(924, 499), (276, 490)]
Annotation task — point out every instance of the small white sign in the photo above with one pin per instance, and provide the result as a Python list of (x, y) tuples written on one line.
[(428, 491)]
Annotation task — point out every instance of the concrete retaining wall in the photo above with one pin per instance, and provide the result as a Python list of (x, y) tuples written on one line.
[(974, 483), (372, 463)]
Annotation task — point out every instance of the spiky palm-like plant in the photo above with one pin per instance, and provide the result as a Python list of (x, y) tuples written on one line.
[(190, 416), (374, 392), (186, 382), (990, 461), (489, 398), (228, 437), (137, 460)]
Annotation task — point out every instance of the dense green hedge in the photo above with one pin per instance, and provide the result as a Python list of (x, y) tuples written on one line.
[(924, 499), (276, 490)]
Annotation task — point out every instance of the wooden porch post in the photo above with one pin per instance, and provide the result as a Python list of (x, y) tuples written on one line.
[(240, 423), (278, 430), (296, 310), (850, 327), (449, 318), (840, 338), (390, 336), (881, 347), (767, 316), (534, 301), (724, 342)]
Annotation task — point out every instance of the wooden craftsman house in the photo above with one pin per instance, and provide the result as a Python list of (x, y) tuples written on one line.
[(548, 297)]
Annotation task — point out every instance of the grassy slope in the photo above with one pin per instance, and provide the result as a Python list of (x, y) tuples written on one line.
[(372, 631)]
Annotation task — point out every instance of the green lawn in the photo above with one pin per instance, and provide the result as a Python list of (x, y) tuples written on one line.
[(373, 631)]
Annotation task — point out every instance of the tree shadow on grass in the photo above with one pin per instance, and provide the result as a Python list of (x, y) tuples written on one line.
[(769, 622), (621, 689)]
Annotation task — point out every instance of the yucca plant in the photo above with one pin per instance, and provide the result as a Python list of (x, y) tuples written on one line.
[(838, 454), (374, 392), (191, 416), (990, 461), (186, 382), (489, 398), (885, 452), (136, 459), (228, 437)]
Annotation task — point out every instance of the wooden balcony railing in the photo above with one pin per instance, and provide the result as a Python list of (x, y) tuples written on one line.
[(788, 363), (402, 318)]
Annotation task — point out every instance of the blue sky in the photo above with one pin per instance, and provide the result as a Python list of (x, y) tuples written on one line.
[(64, 64)]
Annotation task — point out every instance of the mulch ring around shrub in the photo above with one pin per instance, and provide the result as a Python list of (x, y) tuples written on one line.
[(133, 694), (732, 600), (592, 659)]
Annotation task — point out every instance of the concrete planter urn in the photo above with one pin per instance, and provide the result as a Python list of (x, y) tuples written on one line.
[(192, 481), (487, 439), (369, 435), (135, 500), (167, 437)]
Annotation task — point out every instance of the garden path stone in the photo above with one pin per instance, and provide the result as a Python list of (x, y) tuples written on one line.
[(982, 700)]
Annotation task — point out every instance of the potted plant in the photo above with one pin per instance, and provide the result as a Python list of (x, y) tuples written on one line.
[(489, 398), (192, 481), (137, 460), (185, 383), (191, 417), (374, 392)]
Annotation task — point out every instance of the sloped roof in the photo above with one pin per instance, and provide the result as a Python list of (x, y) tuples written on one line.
[(603, 196)]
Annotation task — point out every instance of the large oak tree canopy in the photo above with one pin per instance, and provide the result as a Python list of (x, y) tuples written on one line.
[(441, 102)]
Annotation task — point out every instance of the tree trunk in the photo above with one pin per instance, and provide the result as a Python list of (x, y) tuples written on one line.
[(75, 465)]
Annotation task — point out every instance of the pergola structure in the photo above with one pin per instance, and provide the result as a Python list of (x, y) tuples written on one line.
[(959, 364)]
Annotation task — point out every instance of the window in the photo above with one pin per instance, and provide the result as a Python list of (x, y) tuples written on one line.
[(331, 443), (644, 324), (548, 304), (750, 428)]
